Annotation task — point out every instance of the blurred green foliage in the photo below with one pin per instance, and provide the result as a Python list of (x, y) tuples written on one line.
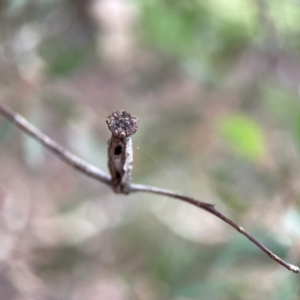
[(215, 85), (244, 136), (200, 31)]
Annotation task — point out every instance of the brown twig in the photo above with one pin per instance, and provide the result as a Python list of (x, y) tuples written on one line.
[(58, 150), (212, 209), (98, 174)]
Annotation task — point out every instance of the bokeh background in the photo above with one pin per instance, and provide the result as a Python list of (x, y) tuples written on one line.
[(215, 85)]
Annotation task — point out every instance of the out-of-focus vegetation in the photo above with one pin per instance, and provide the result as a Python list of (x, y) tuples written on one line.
[(215, 85)]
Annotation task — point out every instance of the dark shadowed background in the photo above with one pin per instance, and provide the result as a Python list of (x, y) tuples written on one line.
[(215, 85)]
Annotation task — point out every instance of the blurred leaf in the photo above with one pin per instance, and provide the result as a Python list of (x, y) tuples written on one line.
[(244, 136)]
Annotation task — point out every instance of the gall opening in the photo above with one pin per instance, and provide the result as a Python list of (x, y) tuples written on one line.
[(118, 150)]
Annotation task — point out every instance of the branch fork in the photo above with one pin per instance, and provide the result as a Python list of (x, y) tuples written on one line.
[(122, 125)]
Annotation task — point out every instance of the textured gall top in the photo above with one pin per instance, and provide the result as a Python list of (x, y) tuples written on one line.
[(122, 124)]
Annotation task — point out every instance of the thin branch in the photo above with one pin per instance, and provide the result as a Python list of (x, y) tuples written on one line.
[(58, 150), (212, 209), (98, 174)]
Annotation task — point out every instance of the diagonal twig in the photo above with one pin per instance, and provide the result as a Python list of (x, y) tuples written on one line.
[(212, 209), (57, 149), (115, 180)]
